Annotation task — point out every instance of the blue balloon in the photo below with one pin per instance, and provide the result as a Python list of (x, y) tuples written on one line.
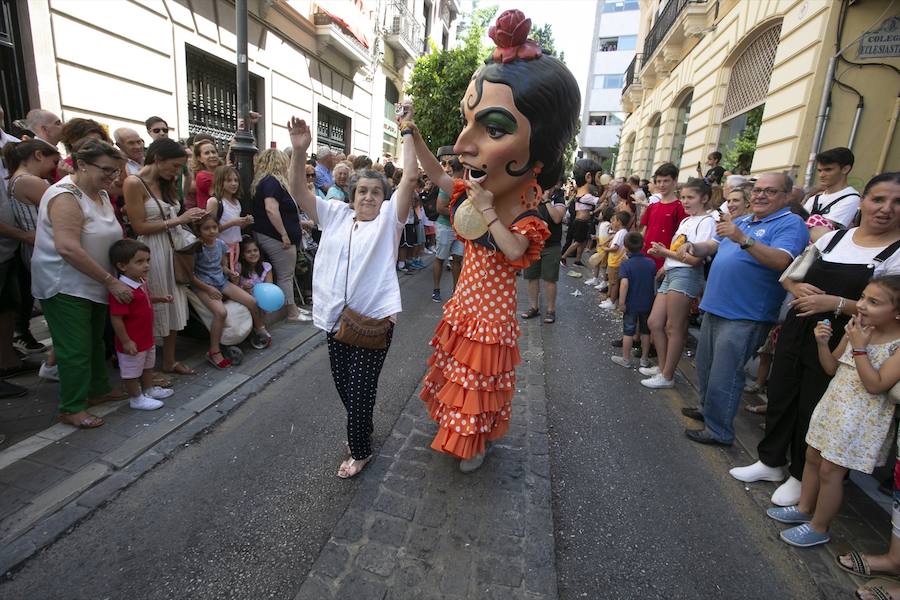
[(269, 296)]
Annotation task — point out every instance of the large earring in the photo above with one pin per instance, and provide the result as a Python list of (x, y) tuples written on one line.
[(532, 194)]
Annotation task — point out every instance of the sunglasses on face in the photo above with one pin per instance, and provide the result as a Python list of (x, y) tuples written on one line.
[(160, 130), (310, 175), (446, 163)]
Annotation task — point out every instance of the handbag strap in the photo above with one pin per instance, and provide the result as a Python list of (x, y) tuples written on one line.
[(349, 250), (162, 213)]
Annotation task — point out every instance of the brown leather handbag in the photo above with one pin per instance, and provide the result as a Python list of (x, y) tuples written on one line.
[(357, 329)]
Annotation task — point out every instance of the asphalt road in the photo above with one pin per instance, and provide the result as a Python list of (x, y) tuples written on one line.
[(243, 512), (639, 511)]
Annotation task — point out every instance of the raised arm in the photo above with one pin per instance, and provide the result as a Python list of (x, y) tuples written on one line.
[(408, 181), (301, 137), (430, 163)]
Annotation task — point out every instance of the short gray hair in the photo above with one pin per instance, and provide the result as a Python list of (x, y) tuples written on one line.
[(324, 152), (367, 174)]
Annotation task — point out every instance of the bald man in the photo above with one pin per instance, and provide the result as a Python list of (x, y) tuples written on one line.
[(45, 124), (129, 141), (741, 301)]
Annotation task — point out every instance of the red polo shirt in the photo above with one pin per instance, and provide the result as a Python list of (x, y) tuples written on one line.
[(137, 315)]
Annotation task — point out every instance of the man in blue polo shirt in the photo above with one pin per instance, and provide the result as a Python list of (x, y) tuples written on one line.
[(741, 300)]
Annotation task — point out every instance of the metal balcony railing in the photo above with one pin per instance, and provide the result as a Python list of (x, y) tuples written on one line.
[(402, 22), (664, 23), (633, 67)]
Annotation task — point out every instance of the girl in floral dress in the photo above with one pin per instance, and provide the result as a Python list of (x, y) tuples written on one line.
[(850, 427), (519, 112)]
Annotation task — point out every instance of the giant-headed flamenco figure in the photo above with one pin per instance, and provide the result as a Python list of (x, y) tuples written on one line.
[(519, 112)]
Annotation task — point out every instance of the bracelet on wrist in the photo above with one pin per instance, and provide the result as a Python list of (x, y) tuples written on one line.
[(484, 210), (859, 351), (406, 131), (840, 307), (494, 220)]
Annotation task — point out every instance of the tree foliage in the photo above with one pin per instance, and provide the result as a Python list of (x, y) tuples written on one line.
[(440, 78), (738, 156)]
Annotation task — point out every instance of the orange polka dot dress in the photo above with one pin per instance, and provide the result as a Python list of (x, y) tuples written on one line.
[(471, 379)]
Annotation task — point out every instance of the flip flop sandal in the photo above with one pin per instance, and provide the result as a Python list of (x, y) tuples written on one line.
[(352, 467), (530, 313), (860, 566), (550, 317), (88, 422), (878, 591), (162, 381), (219, 364), (756, 409), (180, 369)]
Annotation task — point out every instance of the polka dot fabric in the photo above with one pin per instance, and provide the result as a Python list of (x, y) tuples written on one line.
[(355, 372), (471, 379)]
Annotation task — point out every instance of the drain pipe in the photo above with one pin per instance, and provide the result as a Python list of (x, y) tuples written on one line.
[(855, 127), (821, 118), (892, 126)]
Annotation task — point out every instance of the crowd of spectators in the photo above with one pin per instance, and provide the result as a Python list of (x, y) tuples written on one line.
[(807, 281), (64, 214)]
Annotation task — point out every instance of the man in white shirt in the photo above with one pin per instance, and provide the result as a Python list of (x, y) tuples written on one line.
[(835, 201), (634, 182), (129, 141)]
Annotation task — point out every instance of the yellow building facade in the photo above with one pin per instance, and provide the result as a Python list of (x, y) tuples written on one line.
[(709, 71)]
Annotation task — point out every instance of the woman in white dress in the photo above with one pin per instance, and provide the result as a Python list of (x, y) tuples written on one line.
[(151, 201)]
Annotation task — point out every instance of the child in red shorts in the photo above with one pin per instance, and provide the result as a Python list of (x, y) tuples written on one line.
[(133, 325)]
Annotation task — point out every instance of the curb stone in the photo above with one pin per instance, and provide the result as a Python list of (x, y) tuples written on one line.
[(61, 507)]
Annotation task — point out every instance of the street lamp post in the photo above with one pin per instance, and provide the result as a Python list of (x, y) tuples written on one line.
[(244, 146)]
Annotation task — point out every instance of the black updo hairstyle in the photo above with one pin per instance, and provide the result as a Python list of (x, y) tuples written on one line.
[(582, 167), (545, 91)]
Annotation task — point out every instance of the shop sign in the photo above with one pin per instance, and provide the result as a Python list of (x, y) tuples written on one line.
[(391, 129), (884, 42)]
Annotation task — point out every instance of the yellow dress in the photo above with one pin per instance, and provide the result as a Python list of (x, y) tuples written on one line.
[(850, 426)]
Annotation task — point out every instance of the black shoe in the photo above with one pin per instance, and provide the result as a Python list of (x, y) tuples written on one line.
[(25, 366), (26, 344), (701, 436), (693, 413), (11, 390), (578, 263), (436, 296)]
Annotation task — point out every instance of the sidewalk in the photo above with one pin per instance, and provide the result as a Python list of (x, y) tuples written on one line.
[(863, 524), (419, 529), (52, 475)]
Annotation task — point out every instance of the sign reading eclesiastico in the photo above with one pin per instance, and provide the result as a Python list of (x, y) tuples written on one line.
[(884, 42)]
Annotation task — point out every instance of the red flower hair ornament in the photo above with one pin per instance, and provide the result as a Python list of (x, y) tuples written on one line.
[(511, 36)]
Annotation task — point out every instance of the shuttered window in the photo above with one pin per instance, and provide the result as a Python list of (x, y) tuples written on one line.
[(751, 73)]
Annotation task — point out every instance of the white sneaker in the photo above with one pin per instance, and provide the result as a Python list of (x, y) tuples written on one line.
[(144, 403), (607, 304), (621, 361), (788, 493), (576, 293), (758, 471), (591, 281), (658, 382), (601, 286), (158, 392), (649, 371), (49, 372)]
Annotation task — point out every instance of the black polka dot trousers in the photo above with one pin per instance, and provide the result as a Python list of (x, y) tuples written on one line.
[(355, 372)]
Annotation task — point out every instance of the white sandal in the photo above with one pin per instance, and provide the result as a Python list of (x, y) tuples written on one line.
[(352, 467)]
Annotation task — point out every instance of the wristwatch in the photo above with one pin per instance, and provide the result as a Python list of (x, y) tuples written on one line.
[(747, 243)]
